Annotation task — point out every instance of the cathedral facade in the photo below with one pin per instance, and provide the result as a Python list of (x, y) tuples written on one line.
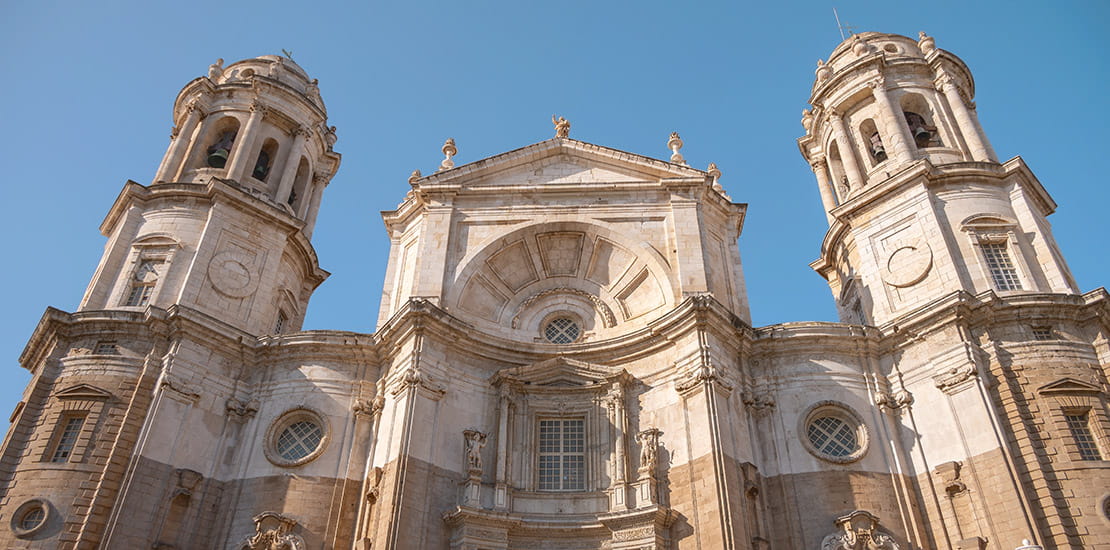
[(564, 356)]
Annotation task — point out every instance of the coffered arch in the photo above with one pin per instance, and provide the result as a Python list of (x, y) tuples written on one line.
[(607, 281)]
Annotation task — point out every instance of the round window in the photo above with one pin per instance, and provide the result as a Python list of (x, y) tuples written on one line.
[(296, 438), (561, 330), (834, 433), (30, 517)]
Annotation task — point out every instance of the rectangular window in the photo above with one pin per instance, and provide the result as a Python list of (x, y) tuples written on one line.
[(1043, 333), (1002, 269), (106, 348), (139, 295), (562, 457), (279, 325), (63, 447), (1084, 439)]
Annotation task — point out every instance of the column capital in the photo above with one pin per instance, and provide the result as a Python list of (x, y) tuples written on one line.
[(818, 164)]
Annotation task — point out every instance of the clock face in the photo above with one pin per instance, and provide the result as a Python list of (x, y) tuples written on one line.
[(908, 265)]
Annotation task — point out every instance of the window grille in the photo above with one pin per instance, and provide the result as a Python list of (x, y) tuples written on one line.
[(67, 439), (1001, 268), (1084, 439), (562, 456)]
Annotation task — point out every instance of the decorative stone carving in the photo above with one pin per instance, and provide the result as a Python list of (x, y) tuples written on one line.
[(330, 137), (858, 531), (758, 401), (364, 407), (908, 265), (704, 374), (216, 70), (926, 43), (949, 473), (474, 440), (240, 408), (607, 317), (674, 144), (860, 47), (449, 150), (562, 126), (415, 177), (893, 400), (953, 378), (187, 481), (273, 531), (807, 120)]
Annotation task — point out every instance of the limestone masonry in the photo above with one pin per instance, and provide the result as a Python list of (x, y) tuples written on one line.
[(564, 357)]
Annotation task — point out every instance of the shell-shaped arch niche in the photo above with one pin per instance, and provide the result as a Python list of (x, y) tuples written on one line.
[(600, 279)]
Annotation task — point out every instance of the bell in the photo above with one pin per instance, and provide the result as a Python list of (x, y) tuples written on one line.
[(217, 158), (921, 134)]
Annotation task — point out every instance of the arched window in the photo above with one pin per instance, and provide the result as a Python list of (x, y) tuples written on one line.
[(839, 179), (874, 142), (919, 117), (265, 160), (300, 185), (219, 148)]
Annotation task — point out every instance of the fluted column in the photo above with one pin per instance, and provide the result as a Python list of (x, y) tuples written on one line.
[(964, 118), (291, 164), (847, 151), (896, 130), (828, 200), (171, 165), (244, 144)]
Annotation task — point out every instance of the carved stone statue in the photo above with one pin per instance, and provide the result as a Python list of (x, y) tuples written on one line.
[(562, 126), (475, 440), (331, 137), (649, 449), (216, 70)]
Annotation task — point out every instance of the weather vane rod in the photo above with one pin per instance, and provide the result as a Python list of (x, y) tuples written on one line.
[(841, 27)]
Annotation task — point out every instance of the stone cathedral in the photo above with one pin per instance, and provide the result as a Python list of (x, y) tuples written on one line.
[(564, 357)]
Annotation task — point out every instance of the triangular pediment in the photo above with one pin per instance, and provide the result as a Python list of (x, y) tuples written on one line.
[(561, 161), (83, 391), (1070, 386), (560, 372)]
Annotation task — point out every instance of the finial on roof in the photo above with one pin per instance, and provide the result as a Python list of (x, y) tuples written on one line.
[(823, 71), (926, 43), (562, 126), (674, 144), (860, 46), (449, 150), (414, 177), (715, 173)]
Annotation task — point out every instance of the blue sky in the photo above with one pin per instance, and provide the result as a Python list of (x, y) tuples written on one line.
[(89, 88)]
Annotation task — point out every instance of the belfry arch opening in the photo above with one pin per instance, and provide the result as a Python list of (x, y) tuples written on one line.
[(920, 120), (220, 142)]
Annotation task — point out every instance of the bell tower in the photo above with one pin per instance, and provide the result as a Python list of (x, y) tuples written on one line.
[(918, 204), (224, 227)]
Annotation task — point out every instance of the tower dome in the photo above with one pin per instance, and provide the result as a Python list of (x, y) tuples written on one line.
[(259, 123)]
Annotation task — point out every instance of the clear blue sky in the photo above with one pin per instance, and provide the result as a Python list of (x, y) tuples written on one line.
[(88, 91)]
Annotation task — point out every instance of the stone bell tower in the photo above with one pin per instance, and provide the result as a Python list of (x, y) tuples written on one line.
[(224, 227), (917, 201)]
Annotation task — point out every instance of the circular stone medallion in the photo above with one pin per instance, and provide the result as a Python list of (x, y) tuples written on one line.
[(231, 276), (908, 265)]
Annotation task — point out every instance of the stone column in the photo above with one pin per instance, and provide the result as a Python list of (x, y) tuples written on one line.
[(896, 130), (171, 165), (820, 169), (501, 488), (618, 492), (291, 164), (847, 151), (312, 204), (965, 119), (244, 144)]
